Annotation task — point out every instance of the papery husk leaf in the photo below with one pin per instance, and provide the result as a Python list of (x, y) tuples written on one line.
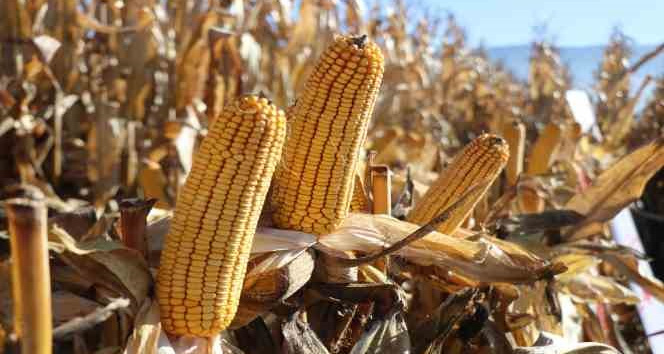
[(266, 239), (486, 260), (269, 282), (148, 337), (147, 329), (198, 345), (575, 263), (185, 141), (269, 239)]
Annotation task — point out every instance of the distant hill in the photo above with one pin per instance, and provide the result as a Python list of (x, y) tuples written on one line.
[(582, 61)]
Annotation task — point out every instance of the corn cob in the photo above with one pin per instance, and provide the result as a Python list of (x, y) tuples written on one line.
[(515, 135), (482, 159), (314, 183), (571, 135), (205, 256), (528, 199), (544, 150)]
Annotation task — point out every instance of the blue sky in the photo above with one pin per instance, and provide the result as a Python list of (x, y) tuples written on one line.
[(569, 22)]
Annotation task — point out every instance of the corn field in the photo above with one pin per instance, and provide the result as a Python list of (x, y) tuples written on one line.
[(333, 176)]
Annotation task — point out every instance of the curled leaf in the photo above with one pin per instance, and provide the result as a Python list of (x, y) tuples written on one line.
[(596, 288), (486, 260), (386, 335), (616, 187)]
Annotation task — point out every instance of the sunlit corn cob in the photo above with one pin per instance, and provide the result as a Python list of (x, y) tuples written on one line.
[(514, 133), (314, 183), (529, 199), (544, 150), (205, 256), (482, 159)]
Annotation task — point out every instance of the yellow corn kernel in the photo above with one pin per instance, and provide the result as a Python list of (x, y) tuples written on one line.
[(314, 182), (514, 133), (483, 158), (215, 217)]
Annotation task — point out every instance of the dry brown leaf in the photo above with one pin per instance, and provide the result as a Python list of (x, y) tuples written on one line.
[(107, 263), (299, 338), (596, 288), (576, 263), (616, 187), (441, 323), (387, 335), (82, 323), (67, 306), (627, 268)]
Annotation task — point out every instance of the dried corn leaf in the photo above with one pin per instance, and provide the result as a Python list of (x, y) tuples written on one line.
[(67, 306), (546, 220), (385, 335), (107, 263), (90, 320), (596, 288), (299, 338), (616, 187), (441, 323), (575, 263), (630, 270)]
